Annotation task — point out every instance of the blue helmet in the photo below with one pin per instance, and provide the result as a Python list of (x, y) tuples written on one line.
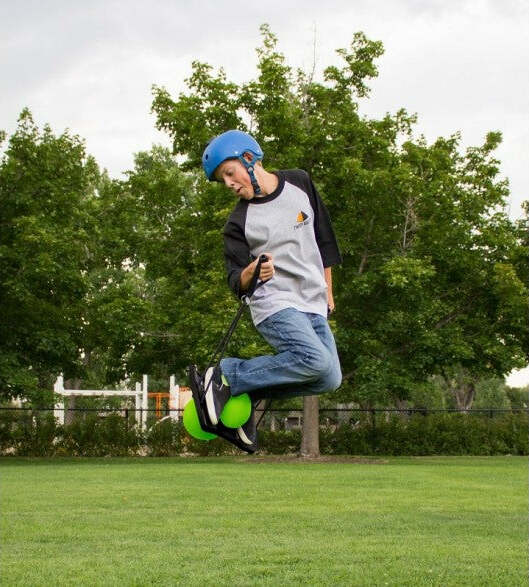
[(231, 145)]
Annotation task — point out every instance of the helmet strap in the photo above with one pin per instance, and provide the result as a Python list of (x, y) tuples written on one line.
[(250, 166)]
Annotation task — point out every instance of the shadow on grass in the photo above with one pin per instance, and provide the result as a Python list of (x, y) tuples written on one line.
[(189, 460)]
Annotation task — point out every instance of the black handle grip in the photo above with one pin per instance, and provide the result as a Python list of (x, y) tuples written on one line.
[(255, 276)]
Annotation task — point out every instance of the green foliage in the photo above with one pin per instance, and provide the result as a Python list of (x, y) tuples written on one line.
[(211, 448), (280, 442), (37, 434), (107, 279), (27, 433), (518, 397), (173, 305), (432, 434), (165, 438), (491, 393), (93, 435), (46, 187), (433, 269)]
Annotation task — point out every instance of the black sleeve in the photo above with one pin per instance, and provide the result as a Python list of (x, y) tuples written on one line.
[(325, 237), (236, 250), (329, 251)]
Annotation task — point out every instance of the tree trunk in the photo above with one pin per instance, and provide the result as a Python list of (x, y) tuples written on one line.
[(461, 385), (464, 396), (310, 442)]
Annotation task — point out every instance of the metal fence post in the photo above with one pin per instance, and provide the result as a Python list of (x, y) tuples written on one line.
[(373, 429)]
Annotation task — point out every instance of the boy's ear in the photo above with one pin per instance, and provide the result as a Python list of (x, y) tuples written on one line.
[(247, 156)]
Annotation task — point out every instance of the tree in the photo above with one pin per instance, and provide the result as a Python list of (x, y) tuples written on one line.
[(46, 183), (71, 302), (518, 397), (169, 221), (446, 290), (429, 278)]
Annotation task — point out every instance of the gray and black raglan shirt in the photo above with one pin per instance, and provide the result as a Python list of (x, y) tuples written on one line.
[(293, 225)]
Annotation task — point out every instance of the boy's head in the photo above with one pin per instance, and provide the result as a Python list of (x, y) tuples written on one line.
[(231, 158), (233, 174)]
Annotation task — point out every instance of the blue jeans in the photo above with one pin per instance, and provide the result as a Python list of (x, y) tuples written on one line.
[(306, 362)]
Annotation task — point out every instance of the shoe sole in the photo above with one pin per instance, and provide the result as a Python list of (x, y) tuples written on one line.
[(210, 402), (243, 437), (232, 436)]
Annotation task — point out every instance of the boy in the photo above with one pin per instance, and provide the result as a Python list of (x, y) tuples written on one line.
[(279, 215)]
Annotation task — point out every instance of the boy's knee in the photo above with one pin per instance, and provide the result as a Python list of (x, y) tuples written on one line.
[(332, 379), (324, 370), (317, 363)]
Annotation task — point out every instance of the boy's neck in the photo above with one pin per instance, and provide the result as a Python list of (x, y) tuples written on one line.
[(267, 181)]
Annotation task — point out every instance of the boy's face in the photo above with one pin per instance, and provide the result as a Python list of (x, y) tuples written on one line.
[(234, 176)]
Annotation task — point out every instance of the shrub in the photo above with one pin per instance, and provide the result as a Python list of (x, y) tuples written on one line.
[(33, 433), (28, 433), (211, 448), (93, 436), (442, 434), (280, 442), (165, 438)]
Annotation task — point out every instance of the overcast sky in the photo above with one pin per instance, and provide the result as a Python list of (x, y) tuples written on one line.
[(461, 65)]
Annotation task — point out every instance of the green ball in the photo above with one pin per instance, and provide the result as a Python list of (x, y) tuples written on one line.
[(192, 424), (236, 411)]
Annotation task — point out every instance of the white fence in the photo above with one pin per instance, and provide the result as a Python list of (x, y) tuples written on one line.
[(140, 394)]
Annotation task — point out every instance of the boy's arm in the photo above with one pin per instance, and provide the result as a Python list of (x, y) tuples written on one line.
[(236, 256), (328, 280), (325, 239), (323, 231), (266, 273)]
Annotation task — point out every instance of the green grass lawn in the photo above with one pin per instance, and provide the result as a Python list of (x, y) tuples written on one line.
[(245, 521)]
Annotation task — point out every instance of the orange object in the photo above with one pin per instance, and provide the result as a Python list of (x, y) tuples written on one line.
[(158, 396)]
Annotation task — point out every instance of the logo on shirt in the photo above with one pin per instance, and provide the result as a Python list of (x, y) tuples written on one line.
[(301, 220)]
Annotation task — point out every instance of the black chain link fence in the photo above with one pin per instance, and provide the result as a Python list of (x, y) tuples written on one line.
[(86, 431)]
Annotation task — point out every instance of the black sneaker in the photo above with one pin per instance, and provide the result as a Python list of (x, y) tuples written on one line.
[(247, 433), (216, 394), (196, 383)]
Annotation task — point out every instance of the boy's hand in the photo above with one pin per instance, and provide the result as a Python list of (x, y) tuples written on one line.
[(330, 297), (266, 273), (267, 269)]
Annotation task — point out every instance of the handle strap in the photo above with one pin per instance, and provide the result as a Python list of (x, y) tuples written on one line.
[(245, 300), (255, 278)]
